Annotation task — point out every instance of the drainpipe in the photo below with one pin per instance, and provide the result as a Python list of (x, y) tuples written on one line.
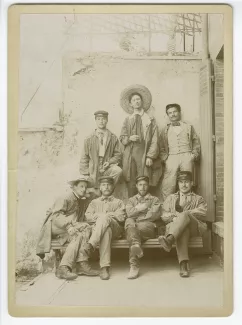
[(205, 36)]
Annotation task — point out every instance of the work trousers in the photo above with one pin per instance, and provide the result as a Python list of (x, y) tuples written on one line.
[(182, 228), (174, 164), (103, 231), (137, 233)]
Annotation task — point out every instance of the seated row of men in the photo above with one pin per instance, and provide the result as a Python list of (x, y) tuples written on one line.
[(86, 223)]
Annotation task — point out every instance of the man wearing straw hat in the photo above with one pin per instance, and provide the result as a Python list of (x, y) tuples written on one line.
[(65, 221), (139, 135), (184, 214)]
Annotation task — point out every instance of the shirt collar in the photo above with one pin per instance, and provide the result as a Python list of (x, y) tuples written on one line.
[(146, 197), (141, 113), (97, 131), (79, 197), (109, 198), (188, 194), (170, 124)]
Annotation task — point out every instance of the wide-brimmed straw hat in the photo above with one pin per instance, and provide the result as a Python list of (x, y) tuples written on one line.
[(139, 89)]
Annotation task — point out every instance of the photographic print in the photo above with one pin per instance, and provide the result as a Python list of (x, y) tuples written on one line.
[(117, 160)]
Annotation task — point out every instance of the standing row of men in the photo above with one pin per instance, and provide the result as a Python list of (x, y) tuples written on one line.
[(144, 151), (86, 223)]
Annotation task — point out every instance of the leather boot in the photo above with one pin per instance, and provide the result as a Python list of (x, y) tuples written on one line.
[(133, 272), (63, 272), (84, 268), (184, 269), (166, 242), (104, 273), (136, 250)]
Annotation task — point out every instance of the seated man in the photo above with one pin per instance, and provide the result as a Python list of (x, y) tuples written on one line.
[(184, 214), (142, 210), (107, 215), (65, 222)]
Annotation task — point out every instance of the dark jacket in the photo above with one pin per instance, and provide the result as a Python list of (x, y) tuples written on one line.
[(89, 163), (151, 150), (65, 210)]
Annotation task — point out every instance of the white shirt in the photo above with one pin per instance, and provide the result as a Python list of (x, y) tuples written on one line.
[(184, 198), (102, 145)]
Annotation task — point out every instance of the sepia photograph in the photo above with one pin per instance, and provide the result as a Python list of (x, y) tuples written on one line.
[(119, 153)]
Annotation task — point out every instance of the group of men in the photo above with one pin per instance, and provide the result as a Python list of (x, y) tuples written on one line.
[(90, 216)]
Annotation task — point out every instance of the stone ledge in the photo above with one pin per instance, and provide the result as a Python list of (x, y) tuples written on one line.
[(218, 228)]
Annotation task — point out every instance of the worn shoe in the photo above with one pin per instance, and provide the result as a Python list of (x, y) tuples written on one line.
[(133, 272), (104, 274), (136, 250), (87, 249), (63, 272), (184, 269), (166, 242), (84, 268)]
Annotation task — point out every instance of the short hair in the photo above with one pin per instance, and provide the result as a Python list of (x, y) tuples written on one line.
[(133, 94), (177, 106)]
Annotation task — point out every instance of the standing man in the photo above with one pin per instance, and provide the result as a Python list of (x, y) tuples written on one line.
[(65, 221), (101, 155), (142, 210), (139, 135), (179, 148), (184, 214), (106, 214)]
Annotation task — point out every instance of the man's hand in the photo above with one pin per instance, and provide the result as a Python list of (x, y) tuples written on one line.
[(105, 165), (141, 207), (134, 138), (72, 231), (149, 162), (81, 225), (168, 217)]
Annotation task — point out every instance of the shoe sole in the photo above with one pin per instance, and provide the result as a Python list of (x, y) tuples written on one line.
[(136, 251), (88, 274), (63, 278), (163, 244), (184, 275)]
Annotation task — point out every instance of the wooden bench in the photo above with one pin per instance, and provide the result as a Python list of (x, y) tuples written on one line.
[(195, 242)]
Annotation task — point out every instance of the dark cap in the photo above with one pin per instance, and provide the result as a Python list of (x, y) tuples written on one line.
[(178, 107), (101, 113), (185, 175), (142, 178), (106, 179)]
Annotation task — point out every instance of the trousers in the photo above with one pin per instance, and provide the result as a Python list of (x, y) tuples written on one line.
[(73, 252), (136, 233), (182, 227), (103, 231), (113, 170), (174, 164)]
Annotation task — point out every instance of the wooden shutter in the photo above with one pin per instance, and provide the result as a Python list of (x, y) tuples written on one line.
[(206, 185)]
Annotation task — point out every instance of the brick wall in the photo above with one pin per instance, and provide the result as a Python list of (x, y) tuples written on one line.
[(219, 132)]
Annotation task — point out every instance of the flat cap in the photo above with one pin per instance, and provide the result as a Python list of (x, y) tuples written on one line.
[(102, 113), (184, 175), (106, 179), (142, 178)]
